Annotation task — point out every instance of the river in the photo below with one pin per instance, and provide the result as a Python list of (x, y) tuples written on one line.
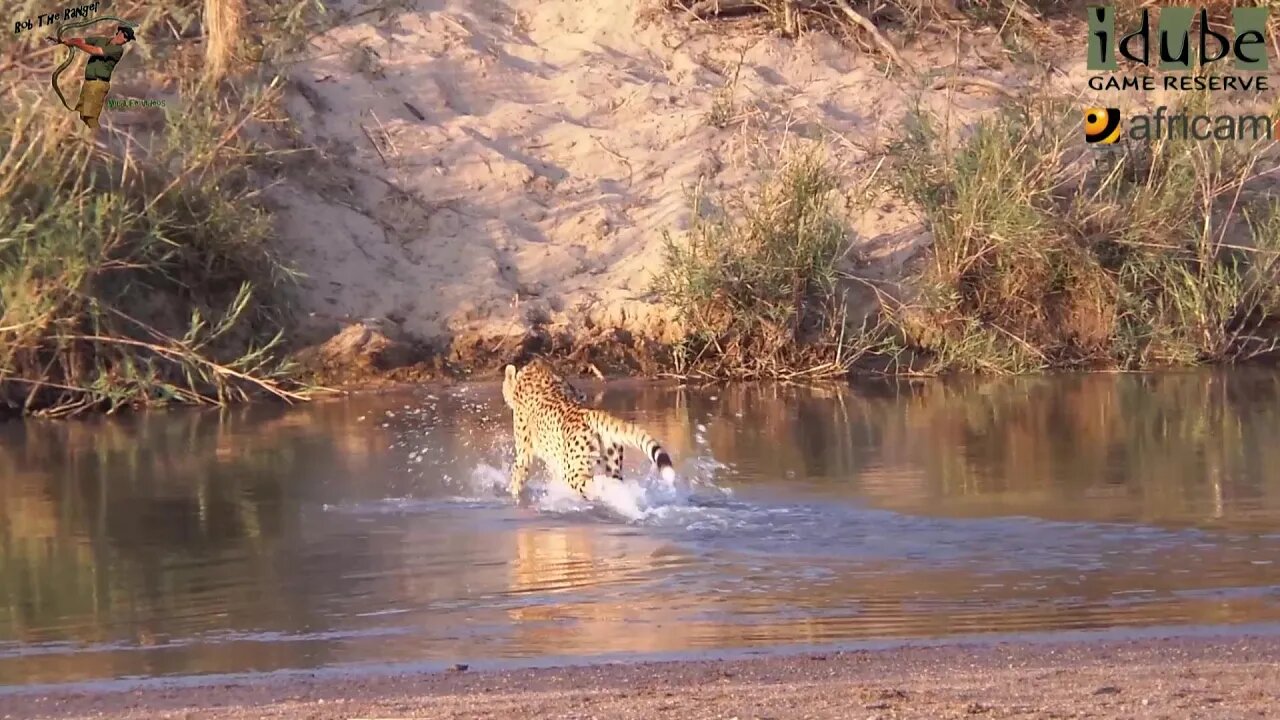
[(373, 529)]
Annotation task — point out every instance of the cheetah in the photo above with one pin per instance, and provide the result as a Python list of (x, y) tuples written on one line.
[(551, 423)]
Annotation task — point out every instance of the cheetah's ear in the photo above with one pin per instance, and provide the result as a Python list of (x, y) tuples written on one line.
[(510, 372)]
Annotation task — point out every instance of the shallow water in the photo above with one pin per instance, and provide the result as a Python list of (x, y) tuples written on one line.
[(374, 529)]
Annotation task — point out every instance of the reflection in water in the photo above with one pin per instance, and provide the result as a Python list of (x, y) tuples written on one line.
[(1178, 448), (158, 528), (367, 529)]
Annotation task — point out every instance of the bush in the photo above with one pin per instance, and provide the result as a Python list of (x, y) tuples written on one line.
[(1049, 254), (756, 285), (134, 269), (122, 284)]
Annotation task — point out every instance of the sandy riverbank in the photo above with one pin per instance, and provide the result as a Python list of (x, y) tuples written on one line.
[(458, 183), (485, 171), (1153, 678)]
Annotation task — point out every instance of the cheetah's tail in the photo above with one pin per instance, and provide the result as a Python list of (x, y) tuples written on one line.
[(617, 430)]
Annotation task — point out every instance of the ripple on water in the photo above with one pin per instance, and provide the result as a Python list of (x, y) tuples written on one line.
[(378, 530)]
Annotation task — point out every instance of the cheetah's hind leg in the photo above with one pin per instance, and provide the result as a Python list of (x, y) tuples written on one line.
[(613, 461)]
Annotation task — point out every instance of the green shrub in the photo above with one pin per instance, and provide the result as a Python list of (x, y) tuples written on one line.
[(131, 278), (756, 285), (1050, 254), (134, 265)]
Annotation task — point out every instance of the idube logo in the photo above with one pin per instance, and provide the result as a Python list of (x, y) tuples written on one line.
[(1178, 47)]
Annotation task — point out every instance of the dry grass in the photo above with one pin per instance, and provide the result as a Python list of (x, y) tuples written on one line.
[(1021, 23), (756, 283), (1048, 254), (123, 285), (223, 24), (134, 263)]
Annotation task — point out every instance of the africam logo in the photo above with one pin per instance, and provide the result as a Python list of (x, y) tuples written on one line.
[(1101, 125)]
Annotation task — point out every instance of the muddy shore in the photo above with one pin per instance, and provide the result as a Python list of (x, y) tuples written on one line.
[(1235, 677)]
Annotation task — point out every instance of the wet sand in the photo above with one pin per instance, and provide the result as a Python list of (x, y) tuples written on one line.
[(1237, 677)]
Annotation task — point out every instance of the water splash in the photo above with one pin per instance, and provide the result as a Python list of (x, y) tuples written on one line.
[(488, 481), (633, 500), (476, 470)]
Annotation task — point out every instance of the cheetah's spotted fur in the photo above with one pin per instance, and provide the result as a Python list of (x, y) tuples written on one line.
[(551, 423)]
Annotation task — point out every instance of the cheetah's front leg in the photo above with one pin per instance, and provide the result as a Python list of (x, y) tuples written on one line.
[(523, 461), (519, 474)]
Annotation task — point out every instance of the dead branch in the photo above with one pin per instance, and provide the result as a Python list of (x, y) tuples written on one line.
[(704, 9)]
